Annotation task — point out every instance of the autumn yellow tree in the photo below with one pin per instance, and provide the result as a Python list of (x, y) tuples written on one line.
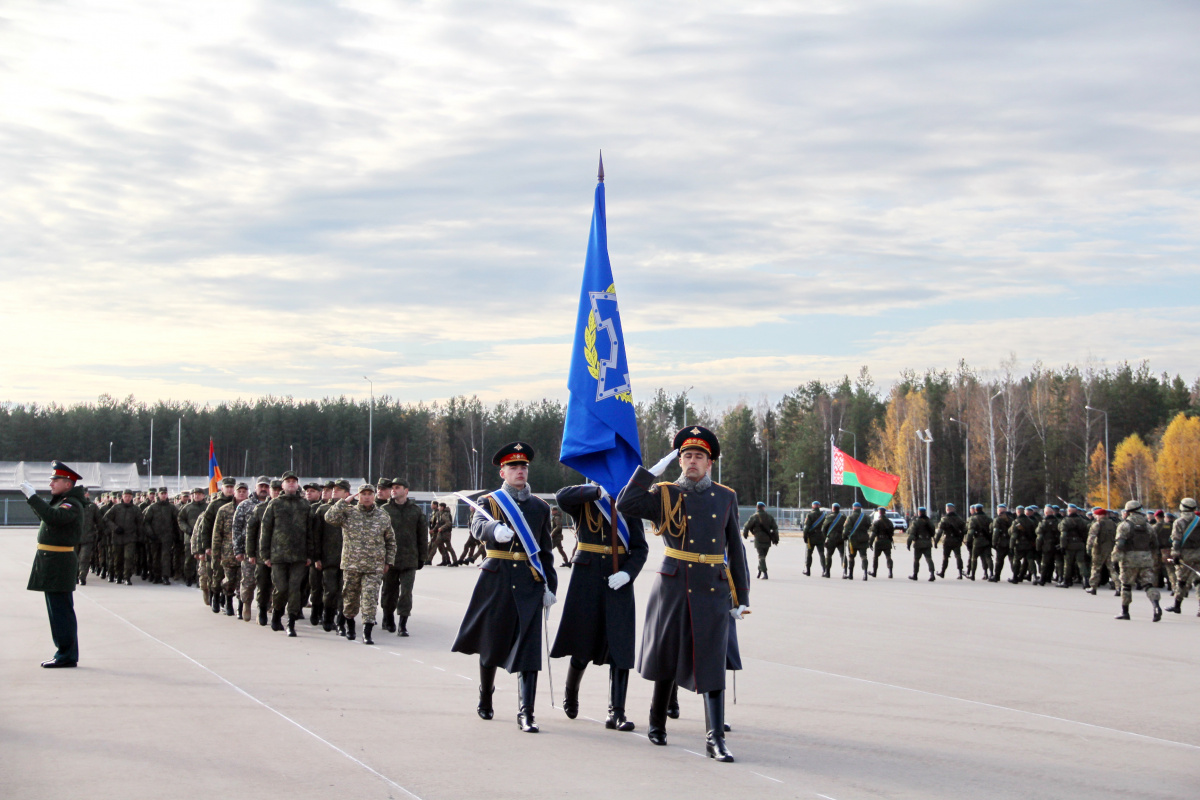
[(1179, 460), (1097, 479), (897, 449), (1133, 470)]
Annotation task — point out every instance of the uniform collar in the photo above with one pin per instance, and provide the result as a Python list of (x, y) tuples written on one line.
[(517, 494), (689, 485)]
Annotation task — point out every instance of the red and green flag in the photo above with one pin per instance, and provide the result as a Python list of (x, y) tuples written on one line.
[(877, 487)]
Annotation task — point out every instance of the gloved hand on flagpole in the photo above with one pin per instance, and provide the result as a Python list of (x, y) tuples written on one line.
[(661, 466), (618, 579), (548, 599)]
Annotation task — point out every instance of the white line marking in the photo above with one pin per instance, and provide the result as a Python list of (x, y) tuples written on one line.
[(768, 777), (251, 697), (419, 661), (990, 705), (440, 669), (464, 677), (693, 752), (827, 797)]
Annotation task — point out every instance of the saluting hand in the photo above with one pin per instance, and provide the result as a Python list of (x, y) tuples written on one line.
[(661, 466), (27, 489)]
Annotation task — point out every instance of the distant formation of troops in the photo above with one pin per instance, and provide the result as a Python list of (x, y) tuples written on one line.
[(1142, 551)]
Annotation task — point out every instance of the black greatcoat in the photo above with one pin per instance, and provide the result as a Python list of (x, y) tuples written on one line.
[(686, 636), (503, 623), (598, 624)]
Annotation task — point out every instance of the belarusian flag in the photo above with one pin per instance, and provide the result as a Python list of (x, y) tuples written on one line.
[(877, 487)]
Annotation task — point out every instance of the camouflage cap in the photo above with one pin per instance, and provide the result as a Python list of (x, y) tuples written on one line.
[(162, 490), (1133, 505), (242, 485), (228, 481), (262, 480), (277, 484), (1187, 504), (342, 483), (385, 483), (328, 484), (288, 476), (199, 490), (127, 491), (399, 482), (366, 487)]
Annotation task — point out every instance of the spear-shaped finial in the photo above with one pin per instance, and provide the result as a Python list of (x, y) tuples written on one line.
[(600, 174)]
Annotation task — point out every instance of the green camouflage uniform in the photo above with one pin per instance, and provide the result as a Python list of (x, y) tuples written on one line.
[(881, 542), (1000, 544), (184, 562), (125, 522), (285, 542), (225, 565), (1047, 544), (979, 543), (920, 542), (764, 528), (1101, 536), (1073, 533), (1185, 549), (368, 544), (950, 533), (87, 544)]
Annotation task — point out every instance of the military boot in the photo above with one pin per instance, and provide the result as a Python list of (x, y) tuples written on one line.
[(1157, 611), (526, 694), (1091, 590), (403, 626), (277, 620), (350, 628), (341, 623), (166, 581), (657, 733), (850, 572), (367, 626), (262, 616), (1124, 613), (327, 619), (291, 626), (889, 573), (960, 575), (229, 605), (714, 723), (216, 602), (618, 685), (487, 688), (571, 692), (673, 702), (316, 614), (1178, 607), (388, 623)]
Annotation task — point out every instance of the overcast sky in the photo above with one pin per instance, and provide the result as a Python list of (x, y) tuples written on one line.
[(228, 199)]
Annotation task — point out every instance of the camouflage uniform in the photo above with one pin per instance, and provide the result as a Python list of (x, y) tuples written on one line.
[(881, 542), (834, 534), (162, 525), (261, 572), (858, 533), (184, 563), (1048, 545), (1137, 543), (368, 546), (225, 565), (248, 569), (1021, 542), (87, 544), (950, 532), (1073, 533), (1185, 550), (1101, 536), (203, 544), (979, 543), (761, 524), (1000, 544), (285, 543), (126, 524), (920, 541), (814, 539)]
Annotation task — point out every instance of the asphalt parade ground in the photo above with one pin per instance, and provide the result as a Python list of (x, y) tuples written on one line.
[(887, 688)]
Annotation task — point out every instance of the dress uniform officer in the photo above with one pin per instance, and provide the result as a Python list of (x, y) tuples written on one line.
[(503, 623), (702, 583), (598, 622), (56, 567)]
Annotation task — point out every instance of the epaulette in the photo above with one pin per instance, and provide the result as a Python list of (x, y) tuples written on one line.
[(723, 486)]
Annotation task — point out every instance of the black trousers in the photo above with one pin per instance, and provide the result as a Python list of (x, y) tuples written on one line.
[(64, 629)]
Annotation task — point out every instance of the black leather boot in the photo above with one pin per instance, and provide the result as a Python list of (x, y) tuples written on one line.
[(1178, 607), (673, 703), (389, 622), (618, 685), (216, 604), (241, 608), (714, 718), (350, 628), (229, 605), (277, 620), (1157, 611), (262, 616), (327, 619), (367, 626), (403, 627), (571, 692), (526, 694), (487, 688), (1124, 613), (341, 623), (291, 626), (315, 615), (657, 734)]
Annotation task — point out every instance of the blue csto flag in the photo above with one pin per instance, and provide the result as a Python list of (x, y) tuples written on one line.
[(600, 437)]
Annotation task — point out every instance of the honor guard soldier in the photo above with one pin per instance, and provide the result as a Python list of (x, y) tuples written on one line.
[(598, 618), (503, 623), (55, 566), (702, 585)]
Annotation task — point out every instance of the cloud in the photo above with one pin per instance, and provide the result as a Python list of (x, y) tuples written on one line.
[(291, 196)]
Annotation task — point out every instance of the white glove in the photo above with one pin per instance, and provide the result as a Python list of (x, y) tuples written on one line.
[(618, 579), (661, 466), (603, 492), (28, 489), (548, 599), (737, 613), (502, 533)]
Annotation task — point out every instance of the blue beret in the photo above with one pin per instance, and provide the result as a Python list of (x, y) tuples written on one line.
[(858, 505)]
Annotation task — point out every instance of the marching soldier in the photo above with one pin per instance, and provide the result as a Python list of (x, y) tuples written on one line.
[(55, 566), (979, 542), (247, 556), (950, 532), (203, 547), (881, 541), (814, 539), (1073, 533), (766, 533), (1162, 532), (598, 619), (368, 549), (125, 523), (503, 623), (1047, 544), (262, 573), (188, 515), (702, 585), (285, 546), (408, 524), (316, 589), (1185, 551), (835, 538), (1102, 535), (162, 522), (328, 541), (1000, 542), (87, 542), (556, 535), (1137, 544), (225, 575), (920, 542), (1022, 539), (858, 533)]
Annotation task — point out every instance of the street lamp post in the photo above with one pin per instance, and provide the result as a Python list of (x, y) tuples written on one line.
[(854, 452), (370, 425), (799, 489), (110, 452), (292, 459), (927, 438), (685, 392), (967, 458), (995, 488), (1107, 470)]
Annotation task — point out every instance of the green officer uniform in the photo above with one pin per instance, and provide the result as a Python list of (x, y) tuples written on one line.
[(56, 567), (766, 533)]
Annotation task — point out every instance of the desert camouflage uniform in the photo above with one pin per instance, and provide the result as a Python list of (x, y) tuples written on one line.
[(1138, 545), (368, 543)]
